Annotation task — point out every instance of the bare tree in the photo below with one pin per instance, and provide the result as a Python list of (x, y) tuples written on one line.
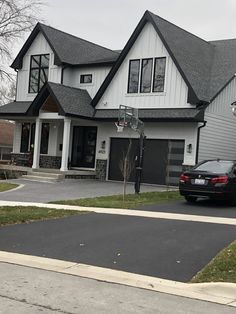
[(17, 17), (126, 166)]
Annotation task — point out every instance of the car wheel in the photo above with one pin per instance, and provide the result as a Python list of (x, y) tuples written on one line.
[(191, 199)]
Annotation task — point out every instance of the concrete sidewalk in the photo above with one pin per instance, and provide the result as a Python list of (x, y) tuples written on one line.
[(52, 286)]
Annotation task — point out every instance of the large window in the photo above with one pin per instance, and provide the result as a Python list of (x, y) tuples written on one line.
[(147, 75), (159, 75), (133, 83), (39, 65), (28, 136)]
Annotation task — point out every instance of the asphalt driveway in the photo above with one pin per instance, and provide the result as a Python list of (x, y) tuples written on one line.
[(168, 249), (202, 207), (41, 192)]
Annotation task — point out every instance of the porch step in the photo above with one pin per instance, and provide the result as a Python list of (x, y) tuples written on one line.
[(43, 176)]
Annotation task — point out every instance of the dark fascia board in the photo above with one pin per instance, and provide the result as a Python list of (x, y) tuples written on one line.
[(222, 88), (95, 64), (192, 97), (40, 99), (17, 63)]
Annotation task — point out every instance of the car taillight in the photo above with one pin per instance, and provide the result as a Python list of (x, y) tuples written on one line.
[(221, 179), (183, 178)]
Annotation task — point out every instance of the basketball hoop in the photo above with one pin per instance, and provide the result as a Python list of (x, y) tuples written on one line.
[(120, 127)]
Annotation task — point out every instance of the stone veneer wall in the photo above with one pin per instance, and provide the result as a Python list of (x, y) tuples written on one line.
[(101, 169), (45, 161), (53, 162)]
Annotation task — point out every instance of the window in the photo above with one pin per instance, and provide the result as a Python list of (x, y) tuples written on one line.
[(150, 78), (133, 83), (39, 65), (25, 135), (44, 138), (146, 76), (159, 75), (28, 136), (86, 78)]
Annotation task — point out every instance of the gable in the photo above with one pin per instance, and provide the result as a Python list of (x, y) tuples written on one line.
[(147, 45)]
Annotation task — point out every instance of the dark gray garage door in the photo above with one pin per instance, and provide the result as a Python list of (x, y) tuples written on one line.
[(162, 160)]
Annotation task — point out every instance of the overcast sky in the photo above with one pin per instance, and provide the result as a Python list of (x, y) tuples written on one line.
[(110, 23)]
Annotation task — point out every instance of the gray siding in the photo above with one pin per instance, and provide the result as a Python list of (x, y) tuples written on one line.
[(218, 137)]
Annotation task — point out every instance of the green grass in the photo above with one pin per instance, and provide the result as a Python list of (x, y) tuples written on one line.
[(131, 200), (7, 186), (17, 214), (222, 268)]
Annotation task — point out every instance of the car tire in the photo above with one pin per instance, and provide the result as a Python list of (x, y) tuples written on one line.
[(191, 199)]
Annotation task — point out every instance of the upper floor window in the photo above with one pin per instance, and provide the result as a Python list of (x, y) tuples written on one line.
[(85, 78), (39, 65), (147, 75)]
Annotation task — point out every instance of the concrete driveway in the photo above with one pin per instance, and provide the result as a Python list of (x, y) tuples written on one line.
[(42, 192)]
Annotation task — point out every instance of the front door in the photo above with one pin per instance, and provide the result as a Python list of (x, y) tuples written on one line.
[(84, 146)]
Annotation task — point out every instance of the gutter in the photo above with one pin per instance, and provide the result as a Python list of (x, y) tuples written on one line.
[(198, 140)]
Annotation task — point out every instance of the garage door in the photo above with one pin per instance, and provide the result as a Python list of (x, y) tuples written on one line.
[(162, 160)]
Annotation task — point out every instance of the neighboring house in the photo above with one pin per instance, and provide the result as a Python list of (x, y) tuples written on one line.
[(69, 91), (6, 139)]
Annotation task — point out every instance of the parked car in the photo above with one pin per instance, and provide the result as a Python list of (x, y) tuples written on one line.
[(215, 179)]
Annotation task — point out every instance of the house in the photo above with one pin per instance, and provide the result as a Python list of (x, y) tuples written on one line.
[(6, 139), (69, 91)]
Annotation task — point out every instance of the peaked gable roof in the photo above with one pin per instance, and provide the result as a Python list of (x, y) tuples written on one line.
[(205, 66), (69, 100), (68, 49)]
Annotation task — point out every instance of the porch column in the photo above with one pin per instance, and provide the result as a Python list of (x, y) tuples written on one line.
[(37, 142), (65, 145)]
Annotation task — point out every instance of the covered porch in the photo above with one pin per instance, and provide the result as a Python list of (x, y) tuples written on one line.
[(54, 131)]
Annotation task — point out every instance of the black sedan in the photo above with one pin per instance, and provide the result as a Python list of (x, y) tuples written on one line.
[(215, 179)]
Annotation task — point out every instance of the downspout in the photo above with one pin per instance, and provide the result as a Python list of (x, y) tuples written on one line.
[(16, 82), (62, 73), (198, 139)]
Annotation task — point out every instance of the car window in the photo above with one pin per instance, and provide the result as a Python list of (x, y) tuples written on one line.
[(215, 166)]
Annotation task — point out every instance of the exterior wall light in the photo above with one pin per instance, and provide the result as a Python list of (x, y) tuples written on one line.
[(189, 148), (233, 106), (103, 144)]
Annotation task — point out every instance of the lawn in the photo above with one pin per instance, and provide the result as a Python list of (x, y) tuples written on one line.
[(131, 200), (4, 186), (221, 268), (17, 214)]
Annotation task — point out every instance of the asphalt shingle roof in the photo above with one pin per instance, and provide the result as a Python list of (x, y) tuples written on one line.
[(68, 49), (15, 107)]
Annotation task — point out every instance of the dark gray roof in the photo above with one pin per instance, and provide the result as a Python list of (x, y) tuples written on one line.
[(71, 101), (15, 108), (68, 49), (180, 114), (74, 101)]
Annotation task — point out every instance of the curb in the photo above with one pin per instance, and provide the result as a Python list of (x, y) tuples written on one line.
[(221, 293)]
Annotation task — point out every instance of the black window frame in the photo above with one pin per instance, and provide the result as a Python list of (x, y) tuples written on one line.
[(128, 88), (40, 68), (82, 76), (141, 76), (154, 71)]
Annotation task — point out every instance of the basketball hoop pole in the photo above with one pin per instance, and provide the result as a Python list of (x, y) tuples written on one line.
[(128, 117)]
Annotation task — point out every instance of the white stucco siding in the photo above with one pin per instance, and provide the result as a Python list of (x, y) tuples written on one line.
[(218, 137), (72, 78), (147, 45), (174, 131), (39, 46)]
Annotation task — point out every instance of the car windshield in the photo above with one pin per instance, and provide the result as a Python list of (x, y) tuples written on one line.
[(216, 166)]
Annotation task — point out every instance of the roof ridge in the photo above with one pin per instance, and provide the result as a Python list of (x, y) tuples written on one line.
[(76, 37), (71, 87), (207, 42)]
